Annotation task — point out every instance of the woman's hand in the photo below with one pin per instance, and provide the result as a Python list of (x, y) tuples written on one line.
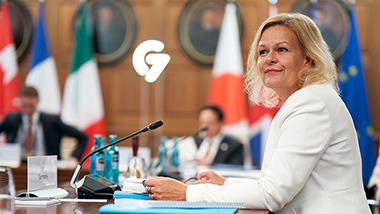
[(160, 188), (209, 177)]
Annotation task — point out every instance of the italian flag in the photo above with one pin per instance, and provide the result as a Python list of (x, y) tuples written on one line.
[(82, 103), (227, 88), (9, 84)]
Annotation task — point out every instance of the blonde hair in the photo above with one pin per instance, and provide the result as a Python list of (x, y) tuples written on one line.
[(310, 40)]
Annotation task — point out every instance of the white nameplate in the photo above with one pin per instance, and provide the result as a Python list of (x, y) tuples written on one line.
[(10, 154), (42, 172)]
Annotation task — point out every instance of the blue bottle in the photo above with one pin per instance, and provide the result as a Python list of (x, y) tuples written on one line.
[(162, 152), (104, 143), (93, 157), (174, 158), (97, 160), (112, 161)]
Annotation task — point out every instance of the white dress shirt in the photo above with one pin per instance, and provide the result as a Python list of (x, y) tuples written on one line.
[(38, 147), (210, 148), (311, 164)]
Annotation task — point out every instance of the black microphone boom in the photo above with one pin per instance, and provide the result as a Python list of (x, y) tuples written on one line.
[(88, 190), (200, 130), (195, 134), (152, 126)]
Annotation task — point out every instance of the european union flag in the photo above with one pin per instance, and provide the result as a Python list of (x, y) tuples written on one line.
[(354, 94)]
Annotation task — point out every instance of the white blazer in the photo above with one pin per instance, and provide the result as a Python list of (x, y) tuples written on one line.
[(311, 164)]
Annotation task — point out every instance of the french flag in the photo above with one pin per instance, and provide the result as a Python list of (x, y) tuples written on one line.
[(42, 73)]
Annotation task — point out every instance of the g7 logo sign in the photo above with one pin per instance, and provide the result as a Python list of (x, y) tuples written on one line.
[(157, 60)]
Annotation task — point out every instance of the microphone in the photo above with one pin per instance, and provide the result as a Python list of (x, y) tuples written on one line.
[(196, 134), (167, 171), (95, 186), (152, 126)]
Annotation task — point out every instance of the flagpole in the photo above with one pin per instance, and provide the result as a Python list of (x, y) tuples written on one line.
[(273, 9)]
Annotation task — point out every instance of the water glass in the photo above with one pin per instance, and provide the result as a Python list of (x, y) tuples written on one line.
[(136, 168), (7, 190)]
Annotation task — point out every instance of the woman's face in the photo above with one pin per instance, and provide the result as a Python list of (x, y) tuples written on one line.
[(280, 59)]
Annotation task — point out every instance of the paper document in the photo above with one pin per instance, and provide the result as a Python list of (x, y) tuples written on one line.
[(136, 203), (114, 209), (36, 201), (134, 185)]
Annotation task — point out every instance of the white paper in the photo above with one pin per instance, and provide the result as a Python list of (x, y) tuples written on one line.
[(10, 154), (133, 185), (137, 203), (36, 202)]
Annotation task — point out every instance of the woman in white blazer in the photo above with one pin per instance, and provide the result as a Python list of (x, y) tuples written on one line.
[(312, 161)]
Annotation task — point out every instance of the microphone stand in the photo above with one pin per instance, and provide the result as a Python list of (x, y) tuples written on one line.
[(167, 171), (74, 182), (195, 134)]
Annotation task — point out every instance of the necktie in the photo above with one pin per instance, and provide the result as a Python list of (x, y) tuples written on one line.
[(206, 157), (29, 137)]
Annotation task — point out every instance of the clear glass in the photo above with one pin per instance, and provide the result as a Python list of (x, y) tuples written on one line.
[(188, 169), (136, 168), (7, 191)]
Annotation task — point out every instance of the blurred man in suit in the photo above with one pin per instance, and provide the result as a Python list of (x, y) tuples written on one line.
[(39, 133), (214, 147)]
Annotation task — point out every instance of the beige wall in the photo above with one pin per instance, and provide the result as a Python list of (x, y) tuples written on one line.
[(181, 90)]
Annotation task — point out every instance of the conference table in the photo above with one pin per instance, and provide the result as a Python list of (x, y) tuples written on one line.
[(64, 176)]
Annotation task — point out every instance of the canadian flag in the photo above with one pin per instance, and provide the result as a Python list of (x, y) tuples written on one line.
[(9, 85), (227, 85)]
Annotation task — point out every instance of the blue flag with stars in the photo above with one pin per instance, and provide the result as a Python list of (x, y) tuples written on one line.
[(354, 93)]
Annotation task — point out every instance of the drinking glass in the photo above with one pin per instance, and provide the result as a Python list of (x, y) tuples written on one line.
[(7, 191), (136, 168)]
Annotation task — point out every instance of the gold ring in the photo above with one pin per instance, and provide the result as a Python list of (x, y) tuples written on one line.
[(149, 192)]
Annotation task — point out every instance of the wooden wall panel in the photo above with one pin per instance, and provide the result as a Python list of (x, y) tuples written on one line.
[(184, 88), (372, 64), (65, 31), (363, 11), (180, 92)]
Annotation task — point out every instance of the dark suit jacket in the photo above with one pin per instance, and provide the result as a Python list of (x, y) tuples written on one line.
[(53, 129), (230, 151)]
